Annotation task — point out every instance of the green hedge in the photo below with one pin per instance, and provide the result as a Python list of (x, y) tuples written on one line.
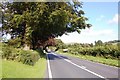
[(29, 57), (111, 51)]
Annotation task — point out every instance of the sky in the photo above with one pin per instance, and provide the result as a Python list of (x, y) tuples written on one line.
[(104, 19)]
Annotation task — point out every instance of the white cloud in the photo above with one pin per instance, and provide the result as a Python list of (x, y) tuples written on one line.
[(89, 36), (97, 33), (100, 18), (114, 20)]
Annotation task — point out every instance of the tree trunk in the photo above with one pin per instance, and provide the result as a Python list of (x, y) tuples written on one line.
[(26, 47), (27, 38)]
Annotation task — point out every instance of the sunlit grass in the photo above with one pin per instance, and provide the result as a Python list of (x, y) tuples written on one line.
[(0, 63), (12, 69), (112, 62), (0, 68)]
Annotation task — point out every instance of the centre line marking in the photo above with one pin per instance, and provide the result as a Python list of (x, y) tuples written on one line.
[(82, 67)]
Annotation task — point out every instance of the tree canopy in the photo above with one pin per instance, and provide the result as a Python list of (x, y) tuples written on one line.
[(36, 24)]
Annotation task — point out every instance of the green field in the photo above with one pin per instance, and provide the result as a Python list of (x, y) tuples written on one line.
[(0, 68), (111, 62), (12, 69)]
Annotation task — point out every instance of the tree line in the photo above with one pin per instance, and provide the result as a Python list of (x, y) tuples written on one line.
[(108, 49)]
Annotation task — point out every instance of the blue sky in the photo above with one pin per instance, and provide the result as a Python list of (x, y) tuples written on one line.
[(104, 19)]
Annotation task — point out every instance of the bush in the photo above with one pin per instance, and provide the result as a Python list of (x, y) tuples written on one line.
[(29, 57), (6, 51), (15, 42), (107, 51)]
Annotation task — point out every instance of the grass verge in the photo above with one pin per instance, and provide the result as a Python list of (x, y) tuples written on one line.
[(111, 62), (12, 69), (0, 68)]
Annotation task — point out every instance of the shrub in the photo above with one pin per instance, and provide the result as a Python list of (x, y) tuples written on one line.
[(106, 51), (29, 57)]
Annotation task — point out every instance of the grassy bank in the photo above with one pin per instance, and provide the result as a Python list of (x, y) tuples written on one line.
[(0, 68), (12, 69), (111, 62), (19, 63)]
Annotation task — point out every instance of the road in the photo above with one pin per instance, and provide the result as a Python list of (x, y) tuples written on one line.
[(61, 66)]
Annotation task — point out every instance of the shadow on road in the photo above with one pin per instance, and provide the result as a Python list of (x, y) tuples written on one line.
[(52, 56)]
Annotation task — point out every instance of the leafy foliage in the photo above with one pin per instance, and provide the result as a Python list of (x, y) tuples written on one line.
[(15, 42), (29, 57), (99, 49), (60, 44), (37, 22), (98, 43)]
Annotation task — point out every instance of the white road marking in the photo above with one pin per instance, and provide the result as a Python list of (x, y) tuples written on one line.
[(84, 68), (49, 69)]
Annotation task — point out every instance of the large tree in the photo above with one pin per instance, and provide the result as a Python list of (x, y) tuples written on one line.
[(38, 23)]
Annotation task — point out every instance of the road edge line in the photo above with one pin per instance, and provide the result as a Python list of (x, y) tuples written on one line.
[(49, 69)]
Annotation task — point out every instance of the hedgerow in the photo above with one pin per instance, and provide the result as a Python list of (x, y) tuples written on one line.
[(29, 57), (106, 51)]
